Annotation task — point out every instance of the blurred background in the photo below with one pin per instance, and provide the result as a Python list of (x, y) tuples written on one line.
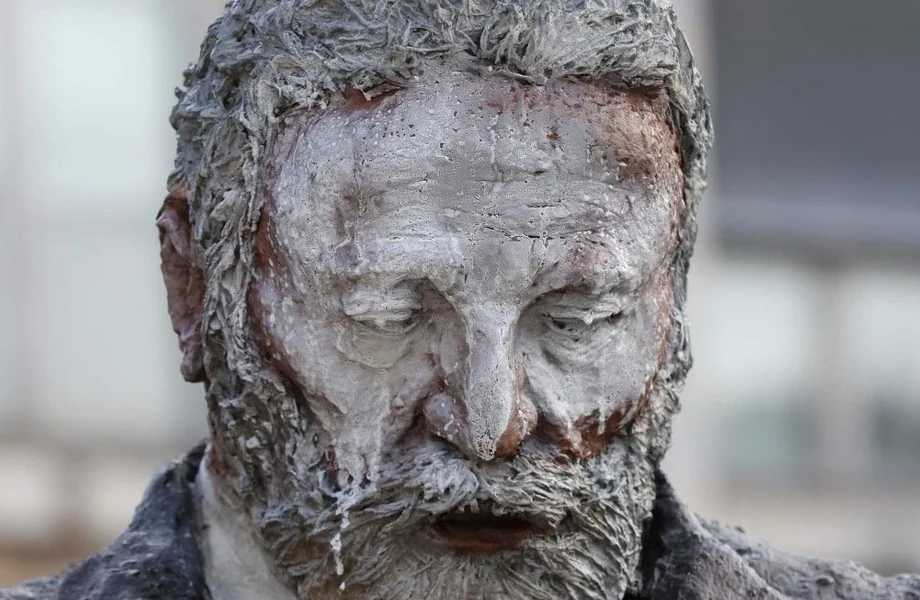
[(801, 418)]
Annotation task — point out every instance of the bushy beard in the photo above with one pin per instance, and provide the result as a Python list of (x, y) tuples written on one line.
[(378, 539)]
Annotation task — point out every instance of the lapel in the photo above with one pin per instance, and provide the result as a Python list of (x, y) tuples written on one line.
[(681, 560), (156, 558)]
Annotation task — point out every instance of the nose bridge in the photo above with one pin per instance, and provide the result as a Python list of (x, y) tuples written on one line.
[(489, 367), (496, 416)]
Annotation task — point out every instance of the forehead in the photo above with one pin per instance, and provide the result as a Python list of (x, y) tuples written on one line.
[(463, 155)]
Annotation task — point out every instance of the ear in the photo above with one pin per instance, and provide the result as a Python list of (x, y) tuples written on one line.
[(182, 273)]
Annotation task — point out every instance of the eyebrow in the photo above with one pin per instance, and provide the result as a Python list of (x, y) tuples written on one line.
[(587, 283), (403, 255), (592, 278)]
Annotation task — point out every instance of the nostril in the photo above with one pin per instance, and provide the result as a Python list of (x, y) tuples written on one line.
[(520, 427), (444, 418)]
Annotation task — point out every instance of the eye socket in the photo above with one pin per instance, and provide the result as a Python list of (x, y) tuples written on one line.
[(394, 311), (575, 326), (390, 322), (571, 313), (563, 325), (393, 324)]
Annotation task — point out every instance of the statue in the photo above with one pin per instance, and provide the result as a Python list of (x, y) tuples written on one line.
[(429, 260)]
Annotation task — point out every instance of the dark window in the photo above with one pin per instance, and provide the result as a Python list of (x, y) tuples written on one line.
[(818, 138)]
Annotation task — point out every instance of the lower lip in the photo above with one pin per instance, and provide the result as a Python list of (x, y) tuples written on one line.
[(483, 535)]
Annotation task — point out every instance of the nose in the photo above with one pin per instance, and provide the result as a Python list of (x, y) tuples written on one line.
[(490, 417)]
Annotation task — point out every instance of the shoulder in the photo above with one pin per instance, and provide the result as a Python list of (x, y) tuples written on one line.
[(687, 558), (40, 589), (156, 558), (804, 577)]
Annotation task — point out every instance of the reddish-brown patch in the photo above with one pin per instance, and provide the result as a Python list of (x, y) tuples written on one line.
[(587, 437), (638, 134), (521, 425), (215, 463), (356, 100), (269, 263), (594, 437), (636, 130), (483, 534), (181, 265)]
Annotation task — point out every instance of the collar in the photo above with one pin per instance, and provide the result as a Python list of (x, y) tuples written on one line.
[(682, 560)]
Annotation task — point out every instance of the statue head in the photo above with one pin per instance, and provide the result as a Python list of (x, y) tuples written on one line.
[(429, 259)]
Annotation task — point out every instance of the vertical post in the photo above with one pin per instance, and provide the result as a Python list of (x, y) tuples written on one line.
[(843, 443), (16, 223)]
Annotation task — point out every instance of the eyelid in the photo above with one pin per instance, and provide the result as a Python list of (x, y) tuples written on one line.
[(585, 308), (394, 304)]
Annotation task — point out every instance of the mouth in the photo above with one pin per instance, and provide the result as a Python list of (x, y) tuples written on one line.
[(483, 533)]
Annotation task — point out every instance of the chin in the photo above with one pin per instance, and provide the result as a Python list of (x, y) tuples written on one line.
[(438, 561)]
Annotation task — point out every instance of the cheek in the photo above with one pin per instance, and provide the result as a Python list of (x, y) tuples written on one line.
[(628, 359), (604, 371), (362, 392), (360, 346)]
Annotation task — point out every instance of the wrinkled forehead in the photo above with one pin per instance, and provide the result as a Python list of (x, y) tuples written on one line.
[(461, 150)]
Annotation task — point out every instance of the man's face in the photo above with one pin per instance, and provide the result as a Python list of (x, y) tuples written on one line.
[(466, 286)]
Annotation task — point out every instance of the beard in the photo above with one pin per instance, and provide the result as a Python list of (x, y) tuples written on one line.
[(382, 538)]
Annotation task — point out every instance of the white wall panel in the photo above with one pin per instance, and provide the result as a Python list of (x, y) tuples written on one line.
[(7, 332), (99, 83), (763, 337), (101, 330)]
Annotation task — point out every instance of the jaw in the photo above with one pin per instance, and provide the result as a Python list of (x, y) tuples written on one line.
[(235, 564)]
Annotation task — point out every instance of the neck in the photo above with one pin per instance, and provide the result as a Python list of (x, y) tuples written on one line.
[(235, 567)]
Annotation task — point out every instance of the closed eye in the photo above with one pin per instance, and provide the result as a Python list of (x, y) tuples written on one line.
[(390, 322), (562, 324), (572, 314), (395, 311)]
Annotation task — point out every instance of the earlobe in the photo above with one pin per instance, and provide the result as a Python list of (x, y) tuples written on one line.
[(182, 273)]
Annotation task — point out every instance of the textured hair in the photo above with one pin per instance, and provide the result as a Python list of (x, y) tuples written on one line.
[(266, 59)]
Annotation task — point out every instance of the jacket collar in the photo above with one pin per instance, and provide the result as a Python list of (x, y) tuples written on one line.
[(682, 560), (157, 557)]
